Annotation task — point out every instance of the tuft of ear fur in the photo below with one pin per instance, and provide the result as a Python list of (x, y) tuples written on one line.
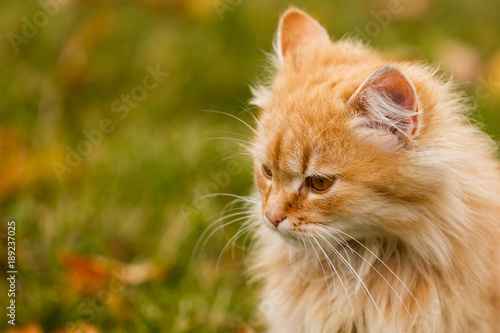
[(298, 31), (389, 100)]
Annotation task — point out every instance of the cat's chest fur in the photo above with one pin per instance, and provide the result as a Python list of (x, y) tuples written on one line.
[(318, 292)]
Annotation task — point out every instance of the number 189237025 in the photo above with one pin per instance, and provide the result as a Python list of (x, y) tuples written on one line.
[(11, 244)]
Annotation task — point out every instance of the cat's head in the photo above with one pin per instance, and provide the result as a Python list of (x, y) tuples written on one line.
[(339, 138)]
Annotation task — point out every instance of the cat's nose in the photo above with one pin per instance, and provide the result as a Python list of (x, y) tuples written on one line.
[(275, 218)]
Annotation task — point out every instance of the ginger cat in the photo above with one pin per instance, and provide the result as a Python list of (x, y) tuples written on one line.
[(379, 201)]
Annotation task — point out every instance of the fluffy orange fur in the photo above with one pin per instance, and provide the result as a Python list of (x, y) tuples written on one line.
[(407, 237)]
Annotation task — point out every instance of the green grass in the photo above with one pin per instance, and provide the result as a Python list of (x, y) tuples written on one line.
[(138, 196)]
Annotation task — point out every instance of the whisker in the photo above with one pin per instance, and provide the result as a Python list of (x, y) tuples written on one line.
[(326, 278), (229, 132), (230, 153), (365, 288), (218, 228), (304, 244), (222, 226), (240, 231), (222, 214), (235, 156), (213, 225), (380, 260), (233, 116), (251, 220), (245, 240), (376, 270), (338, 276), (242, 198), (245, 107), (228, 138)]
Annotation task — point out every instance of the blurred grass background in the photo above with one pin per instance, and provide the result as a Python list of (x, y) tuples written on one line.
[(107, 245)]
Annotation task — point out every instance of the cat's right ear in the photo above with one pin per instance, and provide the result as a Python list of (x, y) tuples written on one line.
[(388, 100), (298, 32)]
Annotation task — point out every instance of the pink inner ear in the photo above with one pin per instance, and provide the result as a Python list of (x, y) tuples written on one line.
[(390, 100), (298, 30)]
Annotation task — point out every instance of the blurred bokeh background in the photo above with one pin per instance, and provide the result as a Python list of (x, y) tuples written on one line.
[(107, 159)]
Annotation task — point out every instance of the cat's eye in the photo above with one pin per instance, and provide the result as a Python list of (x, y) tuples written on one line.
[(266, 171), (320, 184)]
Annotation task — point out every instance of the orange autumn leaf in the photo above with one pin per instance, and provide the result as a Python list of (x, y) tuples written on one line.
[(85, 273), (89, 274)]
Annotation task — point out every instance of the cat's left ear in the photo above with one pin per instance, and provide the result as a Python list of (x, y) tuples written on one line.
[(388, 100), (298, 32)]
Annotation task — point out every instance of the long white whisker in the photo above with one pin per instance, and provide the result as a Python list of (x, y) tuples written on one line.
[(222, 218), (233, 116), (245, 106), (235, 156), (230, 132), (336, 273), (249, 222), (222, 226), (228, 138), (356, 275), (376, 270), (245, 240), (213, 225), (380, 260), (242, 198), (324, 273), (240, 231), (234, 153), (222, 214)]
